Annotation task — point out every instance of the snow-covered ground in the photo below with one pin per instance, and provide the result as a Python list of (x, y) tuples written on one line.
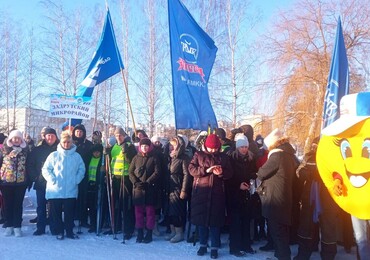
[(90, 246)]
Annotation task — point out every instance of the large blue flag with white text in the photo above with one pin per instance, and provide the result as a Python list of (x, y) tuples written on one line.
[(106, 61), (193, 53), (338, 80)]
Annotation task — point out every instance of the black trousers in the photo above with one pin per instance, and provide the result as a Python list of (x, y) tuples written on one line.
[(57, 207), (13, 196), (280, 235)]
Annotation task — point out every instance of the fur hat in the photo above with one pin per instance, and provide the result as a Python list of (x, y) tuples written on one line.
[(119, 131), (145, 141), (241, 140), (50, 130), (273, 137), (15, 133), (212, 142)]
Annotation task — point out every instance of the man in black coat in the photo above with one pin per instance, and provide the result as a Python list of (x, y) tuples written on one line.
[(35, 161)]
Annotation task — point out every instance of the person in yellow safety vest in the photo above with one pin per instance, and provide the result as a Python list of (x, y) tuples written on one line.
[(121, 155)]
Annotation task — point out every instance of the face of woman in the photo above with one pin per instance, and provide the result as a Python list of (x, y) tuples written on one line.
[(243, 150), (16, 141), (66, 143), (144, 148), (212, 150)]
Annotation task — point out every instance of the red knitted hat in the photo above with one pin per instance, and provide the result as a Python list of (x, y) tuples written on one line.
[(213, 142)]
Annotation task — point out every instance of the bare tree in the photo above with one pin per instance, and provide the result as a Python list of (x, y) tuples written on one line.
[(300, 45)]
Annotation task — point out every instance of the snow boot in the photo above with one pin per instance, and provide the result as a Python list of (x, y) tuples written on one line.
[(140, 235), (179, 235), (9, 231), (148, 237), (172, 234), (17, 232)]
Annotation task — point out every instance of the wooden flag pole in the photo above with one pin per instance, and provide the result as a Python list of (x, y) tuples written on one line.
[(128, 100)]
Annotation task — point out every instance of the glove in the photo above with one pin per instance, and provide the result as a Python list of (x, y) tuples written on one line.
[(338, 187)]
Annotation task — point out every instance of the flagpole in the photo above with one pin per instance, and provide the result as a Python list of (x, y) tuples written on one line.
[(128, 100)]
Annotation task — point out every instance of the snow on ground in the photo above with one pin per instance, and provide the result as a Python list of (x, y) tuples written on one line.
[(90, 246)]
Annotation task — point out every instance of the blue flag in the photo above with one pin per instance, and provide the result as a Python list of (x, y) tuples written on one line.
[(105, 63), (338, 81), (193, 53)]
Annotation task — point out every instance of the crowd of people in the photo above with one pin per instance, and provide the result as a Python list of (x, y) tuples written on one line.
[(252, 188)]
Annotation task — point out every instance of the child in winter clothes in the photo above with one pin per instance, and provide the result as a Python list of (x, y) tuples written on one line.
[(63, 170), (14, 181)]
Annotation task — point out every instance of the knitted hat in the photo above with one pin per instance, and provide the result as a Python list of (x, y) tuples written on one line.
[(212, 142), (15, 133), (273, 137), (145, 141), (241, 140), (50, 130), (220, 132), (119, 131)]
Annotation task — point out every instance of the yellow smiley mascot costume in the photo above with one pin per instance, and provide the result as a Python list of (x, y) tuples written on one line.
[(343, 160)]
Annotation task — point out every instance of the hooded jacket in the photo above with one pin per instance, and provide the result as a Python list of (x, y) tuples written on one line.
[(63, 171)]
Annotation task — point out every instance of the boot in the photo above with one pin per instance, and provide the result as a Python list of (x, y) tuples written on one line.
[(156, 231), (214, 253), (9, 231), (172, 234), (140, 235), (17, 232), (148, 237), (179, 235), (328, 251), (304, 249)]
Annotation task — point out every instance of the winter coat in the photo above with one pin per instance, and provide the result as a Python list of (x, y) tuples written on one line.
[(83, 147), (244, 169), (63, 170), (208, 194), (13, 167), (277, 183), (179, 180), (144, 175), (35, 161)]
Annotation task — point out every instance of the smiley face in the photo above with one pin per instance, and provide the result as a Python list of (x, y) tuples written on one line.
[(348, 155)]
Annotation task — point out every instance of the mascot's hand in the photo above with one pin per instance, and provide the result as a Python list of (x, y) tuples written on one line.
[(338, 187)]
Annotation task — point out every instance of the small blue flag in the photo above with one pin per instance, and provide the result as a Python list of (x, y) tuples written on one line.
[(193, 53), (105, 63), (338, 80)]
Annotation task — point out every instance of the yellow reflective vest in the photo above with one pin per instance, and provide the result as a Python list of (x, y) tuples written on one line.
[(119, 164)]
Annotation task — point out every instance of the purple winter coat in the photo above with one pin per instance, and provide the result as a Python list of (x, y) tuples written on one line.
[(208, 194)]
